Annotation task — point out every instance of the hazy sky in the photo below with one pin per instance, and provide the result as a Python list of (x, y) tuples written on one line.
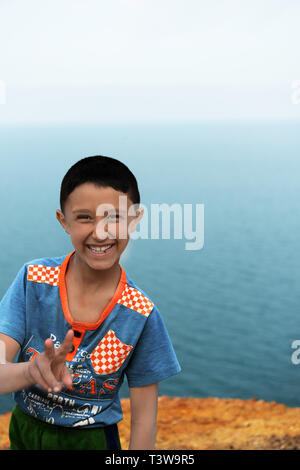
[(124, 60)]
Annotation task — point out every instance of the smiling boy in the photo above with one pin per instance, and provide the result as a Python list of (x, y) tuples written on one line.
[(80, 324)]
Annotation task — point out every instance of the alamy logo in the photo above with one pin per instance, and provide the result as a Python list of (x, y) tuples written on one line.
[(2, 352), (159, 220), (295, 356)]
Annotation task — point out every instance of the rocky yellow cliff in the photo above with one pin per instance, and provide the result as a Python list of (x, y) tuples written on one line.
[(212, 424)]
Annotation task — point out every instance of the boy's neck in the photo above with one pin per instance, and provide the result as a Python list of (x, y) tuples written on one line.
[(92, 280)]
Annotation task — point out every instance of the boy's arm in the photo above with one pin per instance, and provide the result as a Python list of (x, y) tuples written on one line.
[(143, 404), (13, 376)]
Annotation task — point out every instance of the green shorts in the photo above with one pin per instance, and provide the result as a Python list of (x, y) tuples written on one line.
[(28, 433)]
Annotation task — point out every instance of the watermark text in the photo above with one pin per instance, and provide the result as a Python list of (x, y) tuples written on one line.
[(158, 221)]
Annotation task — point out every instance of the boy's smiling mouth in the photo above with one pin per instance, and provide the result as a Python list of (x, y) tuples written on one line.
[(101, 250)]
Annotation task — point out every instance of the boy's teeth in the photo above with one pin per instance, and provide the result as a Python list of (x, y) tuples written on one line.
[(100, 249)]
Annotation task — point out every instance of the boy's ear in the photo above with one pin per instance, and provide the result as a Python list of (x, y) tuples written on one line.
[(134, 223), (61, 219)]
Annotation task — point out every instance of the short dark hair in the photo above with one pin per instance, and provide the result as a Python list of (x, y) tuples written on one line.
[(102, 171)]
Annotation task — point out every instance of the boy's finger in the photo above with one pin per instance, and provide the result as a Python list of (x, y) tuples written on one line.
[(67, 343), (66, 377), (49, 349), (37, 376), (47, 376)]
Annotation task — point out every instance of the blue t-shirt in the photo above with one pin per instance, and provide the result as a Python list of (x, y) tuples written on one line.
[(130, 338)]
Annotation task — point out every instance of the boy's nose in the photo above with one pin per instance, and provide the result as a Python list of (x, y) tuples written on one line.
[(100, 233), (103, 230)]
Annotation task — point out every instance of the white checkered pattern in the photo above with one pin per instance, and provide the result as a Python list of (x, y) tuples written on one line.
[(134, 299), (110, 354), (43, 274)]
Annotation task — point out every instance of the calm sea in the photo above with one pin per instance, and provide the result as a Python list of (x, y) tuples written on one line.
[(232, 309)]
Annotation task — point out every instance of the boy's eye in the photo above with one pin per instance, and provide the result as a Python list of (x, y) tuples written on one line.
[(111, 216)]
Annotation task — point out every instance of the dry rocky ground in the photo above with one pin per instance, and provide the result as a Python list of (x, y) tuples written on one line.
[(212, 424)]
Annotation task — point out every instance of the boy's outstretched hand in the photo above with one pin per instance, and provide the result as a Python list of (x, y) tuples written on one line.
[(49, 369)]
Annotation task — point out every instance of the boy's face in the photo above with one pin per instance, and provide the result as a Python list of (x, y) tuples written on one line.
[(96, 217)]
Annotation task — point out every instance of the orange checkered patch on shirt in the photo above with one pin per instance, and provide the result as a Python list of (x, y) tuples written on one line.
[(134, 299), (110, 354), (43, 274)]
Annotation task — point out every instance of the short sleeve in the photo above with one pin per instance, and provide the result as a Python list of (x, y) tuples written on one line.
[(13, 307), (153, 358)]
